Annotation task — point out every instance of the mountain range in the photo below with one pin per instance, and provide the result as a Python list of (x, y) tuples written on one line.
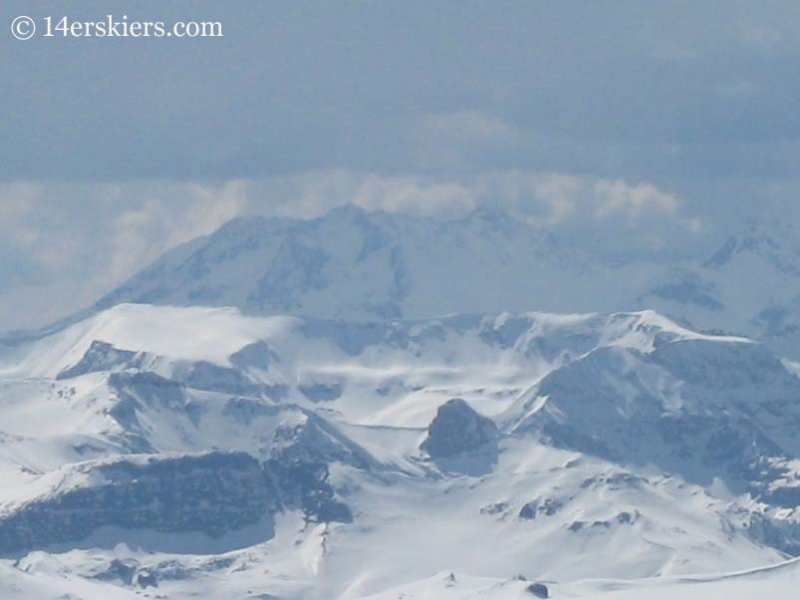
[(361, 265), (378, 406)]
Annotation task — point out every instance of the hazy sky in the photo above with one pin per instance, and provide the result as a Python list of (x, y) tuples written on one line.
[(627, 126)]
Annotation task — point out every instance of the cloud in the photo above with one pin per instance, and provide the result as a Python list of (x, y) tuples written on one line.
[(608, 217), (74, 242), (154, 218), (633, 201), (413, 195), (77, 241), (551, 199), (594, 89)]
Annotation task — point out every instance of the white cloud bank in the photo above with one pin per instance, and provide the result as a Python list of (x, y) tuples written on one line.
[(63, 245)]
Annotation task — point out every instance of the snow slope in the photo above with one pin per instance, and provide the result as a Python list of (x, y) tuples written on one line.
[(776, 583), (208, 452)]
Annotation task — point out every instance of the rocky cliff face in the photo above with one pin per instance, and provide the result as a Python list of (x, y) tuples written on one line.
[(303, 485), (458, 430), (214, 494), (702, 408)]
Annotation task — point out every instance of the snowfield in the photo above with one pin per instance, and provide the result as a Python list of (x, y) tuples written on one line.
[(183, 451)]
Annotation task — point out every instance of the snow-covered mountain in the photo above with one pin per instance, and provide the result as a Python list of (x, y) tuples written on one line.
[(364, 406), (204, 452), (355, 264), (751, 285), (370, 265)]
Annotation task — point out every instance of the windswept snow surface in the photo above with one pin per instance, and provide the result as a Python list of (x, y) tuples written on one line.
[(775, 583), (196, 452)]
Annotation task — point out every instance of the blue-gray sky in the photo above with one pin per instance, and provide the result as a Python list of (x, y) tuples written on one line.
[(658, 126)]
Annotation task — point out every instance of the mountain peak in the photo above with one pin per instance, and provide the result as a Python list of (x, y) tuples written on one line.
[(348, 211), (771, 240), (352, 263)]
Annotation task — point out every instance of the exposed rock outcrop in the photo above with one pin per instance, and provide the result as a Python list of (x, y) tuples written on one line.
[(214, 494), (458, 430)]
